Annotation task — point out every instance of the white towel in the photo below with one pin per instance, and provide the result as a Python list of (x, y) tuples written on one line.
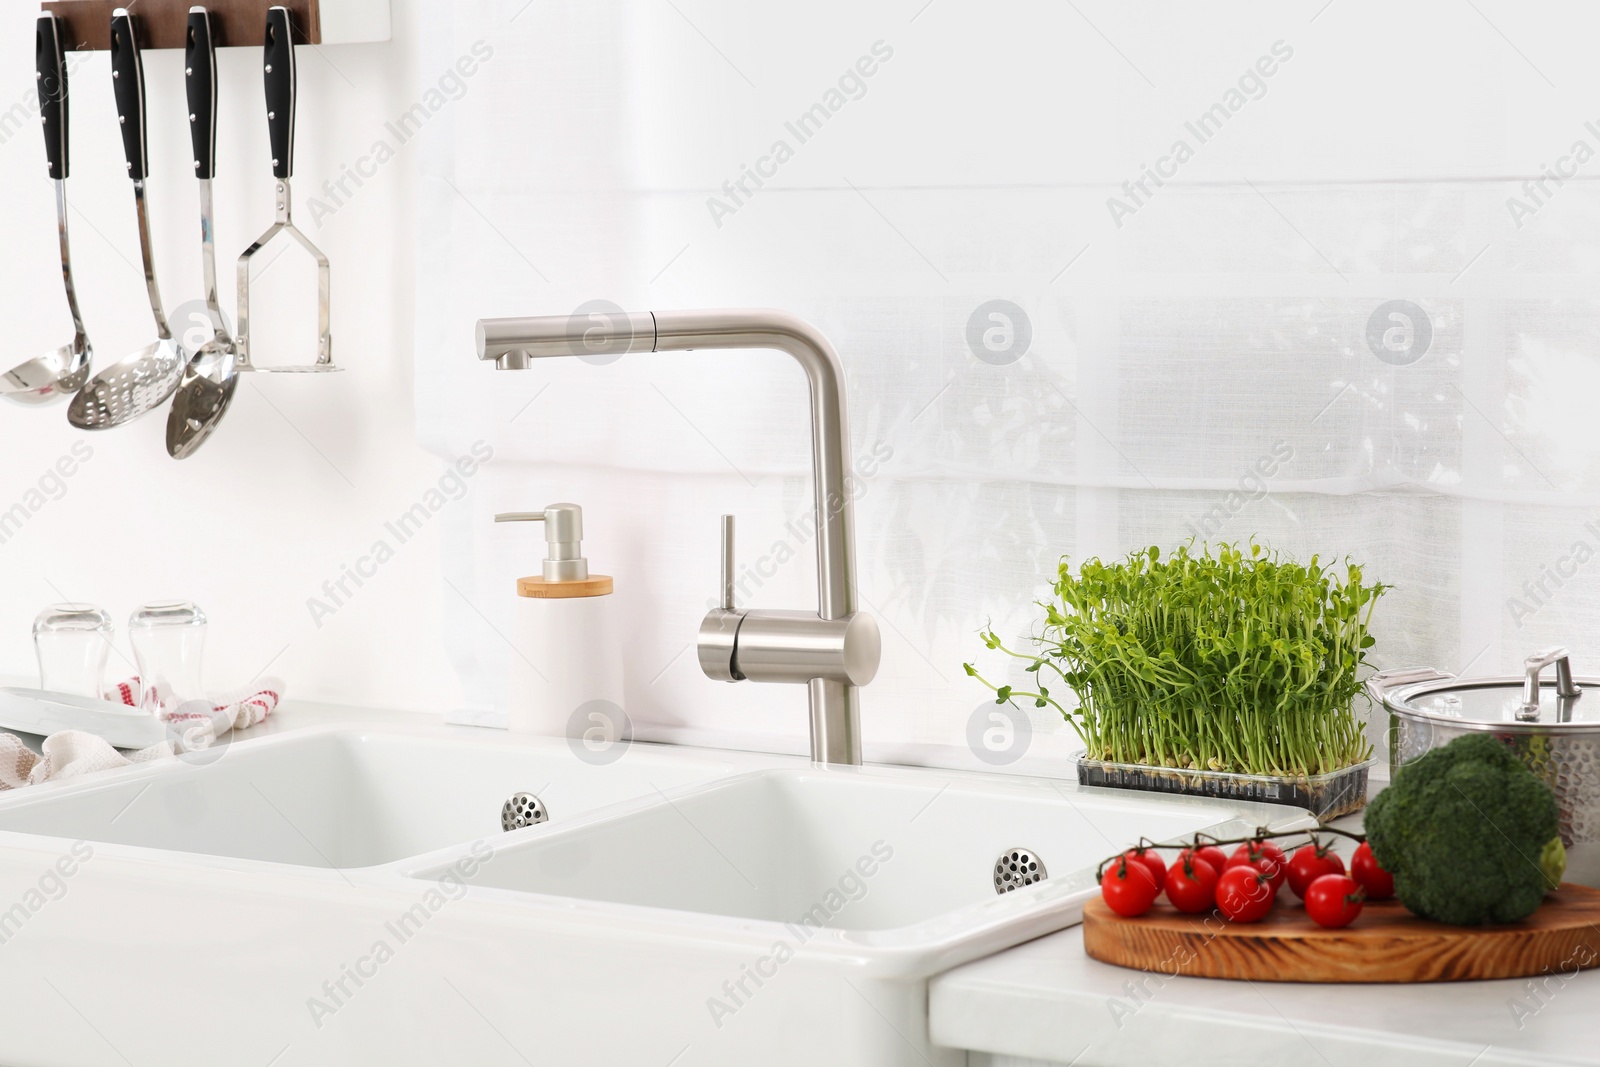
[(192, 726), (67, 754), (196, 724)]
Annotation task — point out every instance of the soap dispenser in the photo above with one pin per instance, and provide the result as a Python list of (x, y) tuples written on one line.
[(566, 654)]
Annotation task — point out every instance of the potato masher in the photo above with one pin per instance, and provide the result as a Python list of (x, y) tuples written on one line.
[(278, 69)]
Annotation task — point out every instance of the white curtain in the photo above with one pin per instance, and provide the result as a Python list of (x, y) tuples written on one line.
[(1221, 353)]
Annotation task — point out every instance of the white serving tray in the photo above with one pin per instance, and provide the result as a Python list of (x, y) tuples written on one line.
[(38, 711)]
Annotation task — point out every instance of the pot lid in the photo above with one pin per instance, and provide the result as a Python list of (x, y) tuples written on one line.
[(1554, 702)]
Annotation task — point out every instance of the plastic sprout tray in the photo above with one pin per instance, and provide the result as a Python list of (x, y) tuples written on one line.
[(1327, 796)]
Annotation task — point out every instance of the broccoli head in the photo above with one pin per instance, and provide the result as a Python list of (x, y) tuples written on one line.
[(1467, 832)]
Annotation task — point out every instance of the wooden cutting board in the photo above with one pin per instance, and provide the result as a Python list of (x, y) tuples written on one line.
[(1386, 943)]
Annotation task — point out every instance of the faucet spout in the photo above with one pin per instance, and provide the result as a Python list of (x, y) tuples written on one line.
[(513, 343)]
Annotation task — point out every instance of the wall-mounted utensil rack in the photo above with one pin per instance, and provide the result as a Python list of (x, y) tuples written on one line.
[(165, 23), (236, 23)]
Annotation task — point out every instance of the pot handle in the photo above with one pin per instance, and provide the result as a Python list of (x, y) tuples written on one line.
[(1380, 685), (1566, 688)]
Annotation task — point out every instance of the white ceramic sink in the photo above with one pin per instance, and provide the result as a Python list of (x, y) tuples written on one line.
[(346, 798), (794, 915), (887, 857), (343, 895)]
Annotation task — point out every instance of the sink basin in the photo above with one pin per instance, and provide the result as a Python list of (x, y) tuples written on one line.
[(683, 906), (790, 915), (858, 856), (345, 798)]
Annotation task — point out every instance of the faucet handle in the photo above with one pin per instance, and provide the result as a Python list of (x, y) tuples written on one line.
[(719, 631), (727, 563)]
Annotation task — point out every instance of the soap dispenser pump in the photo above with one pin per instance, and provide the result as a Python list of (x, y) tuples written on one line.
[(566, 667)]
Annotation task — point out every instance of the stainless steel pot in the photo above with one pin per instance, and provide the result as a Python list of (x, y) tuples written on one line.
[(1546, 722)]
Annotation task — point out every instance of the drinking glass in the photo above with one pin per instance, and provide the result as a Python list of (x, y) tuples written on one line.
[(72, 642), (168, 637)]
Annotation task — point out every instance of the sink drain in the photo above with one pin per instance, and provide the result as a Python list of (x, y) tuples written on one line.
[(1016, 868), (523, 809)]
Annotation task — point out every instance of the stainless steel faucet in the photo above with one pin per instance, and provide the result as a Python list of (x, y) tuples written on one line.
[(833, 650)]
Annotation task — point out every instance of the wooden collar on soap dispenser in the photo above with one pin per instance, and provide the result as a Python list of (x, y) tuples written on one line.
[(566, 571), (542, 588)]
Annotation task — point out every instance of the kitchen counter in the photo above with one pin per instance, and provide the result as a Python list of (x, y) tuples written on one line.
[(292, 714), (295, 714), (1048, 1001)]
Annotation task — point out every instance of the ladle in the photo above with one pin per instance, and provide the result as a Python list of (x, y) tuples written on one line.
[(54, 375)]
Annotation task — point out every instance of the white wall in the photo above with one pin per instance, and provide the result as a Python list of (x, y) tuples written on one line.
[(1227, 314), (305, 471), (1169, 353)]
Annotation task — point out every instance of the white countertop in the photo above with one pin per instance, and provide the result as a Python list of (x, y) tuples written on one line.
[(295, 714), (1049, 1001), (1046, 1000)]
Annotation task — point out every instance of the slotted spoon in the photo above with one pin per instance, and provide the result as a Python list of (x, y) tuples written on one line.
[(142, 381), (212, 376)]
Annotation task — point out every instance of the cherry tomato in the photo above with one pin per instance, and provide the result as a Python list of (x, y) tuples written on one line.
[(1364, 868), (1192, 885), (1210, 853), (1128, 887), (1245, 893), (1311, 862), (1149, 857), (1334, 900), (1265, 855)]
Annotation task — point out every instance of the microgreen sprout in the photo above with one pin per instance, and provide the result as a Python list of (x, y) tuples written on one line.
[(1222, 658)]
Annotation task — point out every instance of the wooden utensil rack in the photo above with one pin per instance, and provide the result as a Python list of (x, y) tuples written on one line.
[(164, 23)]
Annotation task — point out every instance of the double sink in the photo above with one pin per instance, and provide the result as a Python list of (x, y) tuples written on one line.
[(347, 894)]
